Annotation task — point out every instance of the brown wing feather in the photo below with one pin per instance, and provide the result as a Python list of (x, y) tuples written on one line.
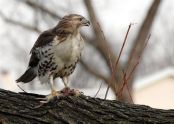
[(34, 60), (44, 39), (47, 36)]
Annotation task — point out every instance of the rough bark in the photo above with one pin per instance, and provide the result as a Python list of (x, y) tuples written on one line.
[(20, 108)]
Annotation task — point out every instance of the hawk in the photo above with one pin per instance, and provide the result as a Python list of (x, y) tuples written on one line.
[(56, 53)]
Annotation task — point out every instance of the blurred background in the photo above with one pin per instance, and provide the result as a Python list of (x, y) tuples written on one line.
[(144, 73)]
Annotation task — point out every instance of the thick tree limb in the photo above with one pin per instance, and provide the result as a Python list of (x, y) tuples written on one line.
[(19, 108)]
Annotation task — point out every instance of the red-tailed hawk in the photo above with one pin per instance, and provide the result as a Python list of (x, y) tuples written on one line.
[(56, 53)]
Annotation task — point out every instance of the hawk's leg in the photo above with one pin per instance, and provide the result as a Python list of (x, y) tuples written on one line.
[(67, 91), (53, 94), (65, 81)]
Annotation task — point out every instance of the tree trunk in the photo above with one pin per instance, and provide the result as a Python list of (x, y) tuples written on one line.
[(104, 48), (20, 108)]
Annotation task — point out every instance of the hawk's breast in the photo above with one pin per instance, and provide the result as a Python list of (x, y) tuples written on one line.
[(59, 59), (70, 49), (67, 54)]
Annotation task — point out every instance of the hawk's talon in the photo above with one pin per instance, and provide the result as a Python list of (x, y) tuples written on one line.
[(41, 98), (77, 92), (64, 92), (49, 98)]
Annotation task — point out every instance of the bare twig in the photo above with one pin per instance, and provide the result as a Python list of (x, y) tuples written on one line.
[(139, 57), (125, 78), (21, 88), (129, 92), (120, 91), (98, 89), (115, 67), (125, 39), (112, 69), (141, 37), (110, 62)]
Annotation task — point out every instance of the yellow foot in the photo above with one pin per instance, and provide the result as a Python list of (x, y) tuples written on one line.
[(70, 92), (48, 98)]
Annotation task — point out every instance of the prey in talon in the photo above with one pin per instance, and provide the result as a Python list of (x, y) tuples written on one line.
[(55, 55), (69, 92)]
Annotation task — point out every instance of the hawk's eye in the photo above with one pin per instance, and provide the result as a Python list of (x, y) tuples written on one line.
[(80, 19)]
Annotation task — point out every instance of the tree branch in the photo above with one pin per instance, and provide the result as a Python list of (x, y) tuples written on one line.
[(103, 45), (139, 43), (20, 108), (35, 5), (14, 22), (94, 72)]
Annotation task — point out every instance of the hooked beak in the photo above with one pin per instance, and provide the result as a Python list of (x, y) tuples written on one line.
[(85, 22)]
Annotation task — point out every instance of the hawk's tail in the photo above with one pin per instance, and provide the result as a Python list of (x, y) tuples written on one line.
[(28, 76)]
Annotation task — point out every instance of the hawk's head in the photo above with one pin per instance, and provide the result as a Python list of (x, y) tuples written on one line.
[(76, 20), (72, 22)]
